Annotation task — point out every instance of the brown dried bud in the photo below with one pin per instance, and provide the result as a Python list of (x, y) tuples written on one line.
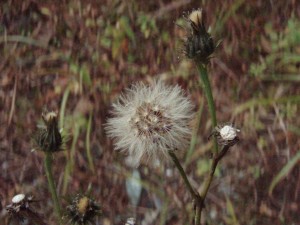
[(199, 44), (82, 210), (49, 138)]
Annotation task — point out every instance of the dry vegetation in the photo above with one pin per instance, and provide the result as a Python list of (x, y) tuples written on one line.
[(77, 56)]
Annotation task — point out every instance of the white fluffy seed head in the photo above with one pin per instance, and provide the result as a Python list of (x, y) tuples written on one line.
[(228, 133), (18, 198), (148, 121)]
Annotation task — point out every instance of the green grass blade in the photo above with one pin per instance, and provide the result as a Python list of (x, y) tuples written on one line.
[(284, 172), (264, 102)]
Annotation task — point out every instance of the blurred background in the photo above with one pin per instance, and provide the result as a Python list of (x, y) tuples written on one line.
[(75, 57)]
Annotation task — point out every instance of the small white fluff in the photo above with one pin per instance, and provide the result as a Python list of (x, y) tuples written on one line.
[(18, 198), (228, 133), (150, 120)]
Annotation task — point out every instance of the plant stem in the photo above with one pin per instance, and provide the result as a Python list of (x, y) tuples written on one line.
[(182, 173), (202, 69), (88, 146), (196, 197), (213, 167), (51, 185)]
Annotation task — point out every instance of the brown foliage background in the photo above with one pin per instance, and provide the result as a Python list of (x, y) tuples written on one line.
[(76, 57)]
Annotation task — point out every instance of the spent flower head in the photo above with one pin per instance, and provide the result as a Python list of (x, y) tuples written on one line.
[(199, 44), (150, 120), (21, 210), (49, 138), (82, 210), (226, 134)]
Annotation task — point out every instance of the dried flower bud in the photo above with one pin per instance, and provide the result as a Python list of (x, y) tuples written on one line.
[(226, 135), (199, 44), (82, 210), (20, 209), (49, 138), (196, 17), (150, 121)]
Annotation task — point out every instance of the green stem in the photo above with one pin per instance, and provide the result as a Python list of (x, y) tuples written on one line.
[(88, 146), (183, 174), (202, 69), (196, 197), (51, 185)]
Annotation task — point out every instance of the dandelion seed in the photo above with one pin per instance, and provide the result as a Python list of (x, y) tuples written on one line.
[(149, 121)]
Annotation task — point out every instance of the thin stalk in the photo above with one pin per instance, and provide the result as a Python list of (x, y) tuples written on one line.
[(88, 146), (182, 173), (51, 185), (207, 183), (202, 69), (196, 197)]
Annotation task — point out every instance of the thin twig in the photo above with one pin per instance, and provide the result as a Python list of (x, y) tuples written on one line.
[(214, 165)]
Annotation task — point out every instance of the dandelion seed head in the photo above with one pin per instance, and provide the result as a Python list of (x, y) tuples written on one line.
[(150, 120)]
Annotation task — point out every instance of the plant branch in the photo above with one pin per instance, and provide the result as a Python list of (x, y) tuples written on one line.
[(217, 158)]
